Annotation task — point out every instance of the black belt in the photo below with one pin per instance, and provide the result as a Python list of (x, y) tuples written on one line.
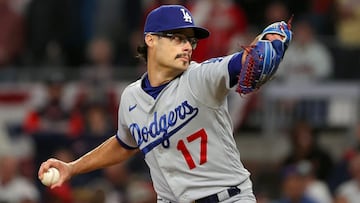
[(221, 196)]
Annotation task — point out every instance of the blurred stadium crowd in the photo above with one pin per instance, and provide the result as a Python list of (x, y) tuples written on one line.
[(63, 64)]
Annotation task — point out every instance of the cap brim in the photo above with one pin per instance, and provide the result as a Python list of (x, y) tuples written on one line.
[(199, 32)]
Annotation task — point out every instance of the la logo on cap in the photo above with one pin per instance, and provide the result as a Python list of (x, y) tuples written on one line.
[(186, 16), (172, 17)]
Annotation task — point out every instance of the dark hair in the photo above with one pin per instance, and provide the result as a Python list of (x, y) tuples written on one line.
[(142, 51)]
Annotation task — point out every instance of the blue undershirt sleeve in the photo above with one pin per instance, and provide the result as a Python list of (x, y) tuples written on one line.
[(234, 68)]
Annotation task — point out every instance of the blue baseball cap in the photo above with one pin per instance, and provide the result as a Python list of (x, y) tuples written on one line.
[(172, 17)]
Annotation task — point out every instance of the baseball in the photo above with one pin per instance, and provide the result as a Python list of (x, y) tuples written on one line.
[(50, 177)]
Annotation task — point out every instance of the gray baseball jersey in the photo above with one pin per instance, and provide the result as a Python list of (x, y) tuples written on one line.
[(185, 133)]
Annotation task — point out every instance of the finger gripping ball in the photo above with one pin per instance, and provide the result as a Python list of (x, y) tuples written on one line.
[(50, 177)]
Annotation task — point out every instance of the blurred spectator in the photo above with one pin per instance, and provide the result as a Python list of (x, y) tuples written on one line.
[(323, 15), (306, 62), (97, 128), (111, 186), (293, 186), (254, 11), (106, 16), (98, 72), (141, 191), (227, 25), (348, 28), (53, 33), (52, 118), (99, 61), (98, 123), (349, 191), (13, 187), (117, 184), (341, 171), (276, 11), (100, 58), (11, 40), (59, 31), (51, 125), (305, 146), (25, 153), (315, 188), (11, 35), (320, 12), (97, 84), (307, 59), (118, 177), (128, 36), (115, 20)]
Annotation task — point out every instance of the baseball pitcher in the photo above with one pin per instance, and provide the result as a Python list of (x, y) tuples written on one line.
[(176, 114)]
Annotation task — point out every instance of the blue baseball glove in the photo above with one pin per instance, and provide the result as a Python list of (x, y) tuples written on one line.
[(262, 58)]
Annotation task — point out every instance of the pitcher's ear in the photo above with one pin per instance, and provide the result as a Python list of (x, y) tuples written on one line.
[(149, 40)]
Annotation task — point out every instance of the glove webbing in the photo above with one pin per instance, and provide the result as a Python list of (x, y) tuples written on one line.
[(247, 74)]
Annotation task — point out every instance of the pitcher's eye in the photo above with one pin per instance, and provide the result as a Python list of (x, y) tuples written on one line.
[(178, 38)]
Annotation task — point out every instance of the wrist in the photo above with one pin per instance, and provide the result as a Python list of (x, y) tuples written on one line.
[(72, 168)]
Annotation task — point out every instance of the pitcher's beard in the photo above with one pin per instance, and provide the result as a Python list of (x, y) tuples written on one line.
[(185, 63), (184, 55)]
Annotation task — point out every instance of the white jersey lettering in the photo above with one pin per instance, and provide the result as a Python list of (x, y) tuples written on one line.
[(183, 113)]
